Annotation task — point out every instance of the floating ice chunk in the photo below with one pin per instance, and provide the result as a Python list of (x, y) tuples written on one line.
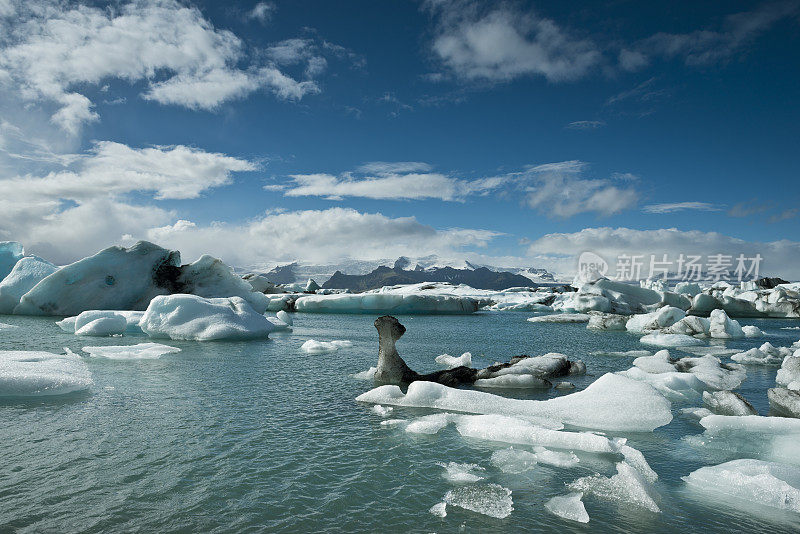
[(657, 363), (662, 318), (555, 458), (72, 324), (690, 325), (612, 402), (369, 374), (279, 325), (109, 324), (312, 346), (727, 403), (698, 413), (714, 350), (723, 327), (623, 354), (209, 277), (439, 509), (750, 481), (27, 272), (492, 500), (451, 362), (36, 373), (688, 288), (568, 506), (627, 486), (713, 372), (764, 355), (461, 473), (513, 460), (383, 411), (67, 324), (561, 318), (784, 401), (636, 459), (513, 381), (190, 317), (752, 331), (670, 340), (429, 424), (141, 351), (519, 432), (285, 317), (673, 385), (565, 385), (789, 373), (375, 302), (393, 422), (10, 253), (607, 321), (751, 424)]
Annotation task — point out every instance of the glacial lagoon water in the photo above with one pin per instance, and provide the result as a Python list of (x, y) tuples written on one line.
[(260, 436)]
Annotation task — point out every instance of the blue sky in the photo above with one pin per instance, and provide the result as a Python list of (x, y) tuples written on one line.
[(514, 133)]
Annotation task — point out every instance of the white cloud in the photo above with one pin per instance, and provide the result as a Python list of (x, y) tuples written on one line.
[(560, 190), (501, 43), (393, 167), (780, 258), (672, 207), (50, 50), (262, 12), (317, 236), (585, 125), (708, 46)]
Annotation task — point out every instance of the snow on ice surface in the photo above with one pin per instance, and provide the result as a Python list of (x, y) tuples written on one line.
[(312, 346), (492, 500), (461, 473), (612, 402), (140, 351), (451, 362), (753, 482), (377, 302), (113, 279), (209, 277), (189, 317), (670, 340), (27, 272), (36, 373), (568, 506), (561, 318), (628, 486)]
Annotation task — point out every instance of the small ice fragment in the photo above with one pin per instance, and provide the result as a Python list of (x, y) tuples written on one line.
[(313, 346), (568, 506), (451, 362), (439, 509), (369, 374), (492, 500), (140, 351), (460, 473), (383, 411), (513, 460), (555, 458)]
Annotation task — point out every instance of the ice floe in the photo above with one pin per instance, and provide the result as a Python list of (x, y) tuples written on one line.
[(612, 402), (766, 354), (607, 321), (107, 324), (727, 403), (383, 411), (561, 318), (789, 373), (190, 317), (461, 473), (387, 300), (749, 482), (766, 438), (657, 320), (439, 509), (670, 340), (627, 486), (568, 506), (513, 460), (451, 362), (38, 373), (492, 500), (784, 401), (312, 346), (140, 351)]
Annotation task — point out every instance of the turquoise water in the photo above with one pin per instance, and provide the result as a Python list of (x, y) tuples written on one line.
[(259, 436)]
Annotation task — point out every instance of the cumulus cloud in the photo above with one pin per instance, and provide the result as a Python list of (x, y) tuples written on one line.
[(672, 207), (561, 190), (708, 46), (389, 181), (780, 258), (317, 236), (51, 52), (262, 12), (500, 43)]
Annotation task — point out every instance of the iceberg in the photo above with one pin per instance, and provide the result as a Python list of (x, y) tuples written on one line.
[(140, 351), (107, 325), (313, 346), (27, 272), (750, 482), (10, 253), (37, 373), (789, 373), (451, 362), (657, 320), (670, 340), (209, 277), (73, 324), (189, 317), (612, 402), (766, 354), (727, 403), (607, 321), (784, 401)]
